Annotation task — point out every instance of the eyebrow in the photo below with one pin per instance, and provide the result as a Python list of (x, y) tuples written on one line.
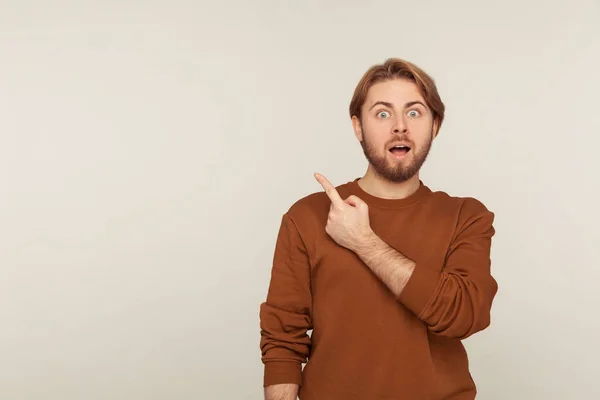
[(390, 105)]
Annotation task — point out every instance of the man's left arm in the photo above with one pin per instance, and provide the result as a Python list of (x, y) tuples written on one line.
[(455, 300)]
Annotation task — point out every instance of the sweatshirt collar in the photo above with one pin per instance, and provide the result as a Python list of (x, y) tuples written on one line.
[(382, 202)]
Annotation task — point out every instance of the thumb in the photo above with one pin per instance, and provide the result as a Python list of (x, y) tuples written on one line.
[(356, 201)]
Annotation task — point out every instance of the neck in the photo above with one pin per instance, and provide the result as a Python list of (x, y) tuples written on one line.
[(378, 186)]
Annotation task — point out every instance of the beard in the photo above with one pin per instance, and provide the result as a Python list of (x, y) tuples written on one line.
[(395, 173)]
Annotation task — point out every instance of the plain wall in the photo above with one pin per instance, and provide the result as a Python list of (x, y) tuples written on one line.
[(148, 150)]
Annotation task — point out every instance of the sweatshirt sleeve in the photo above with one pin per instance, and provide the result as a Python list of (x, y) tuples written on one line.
[(285, 316), (456, 301)]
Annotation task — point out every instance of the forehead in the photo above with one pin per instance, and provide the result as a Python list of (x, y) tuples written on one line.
[(396, 91)]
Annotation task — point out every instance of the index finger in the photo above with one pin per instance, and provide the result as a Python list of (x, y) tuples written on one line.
[(333, 194)]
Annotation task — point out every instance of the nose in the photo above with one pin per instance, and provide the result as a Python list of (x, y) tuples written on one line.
[(399, 126)]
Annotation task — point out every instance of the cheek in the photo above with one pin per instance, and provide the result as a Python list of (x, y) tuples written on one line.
[(425, 122), (422, 141), (379, 129), (376, 138), (421, 129)]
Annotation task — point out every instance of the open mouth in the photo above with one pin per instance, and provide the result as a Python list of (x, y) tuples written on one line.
[(400, 150)]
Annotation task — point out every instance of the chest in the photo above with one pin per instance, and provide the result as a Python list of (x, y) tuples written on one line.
[(423, 236)]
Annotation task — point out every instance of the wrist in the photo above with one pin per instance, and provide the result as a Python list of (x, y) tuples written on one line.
[(366, 244)]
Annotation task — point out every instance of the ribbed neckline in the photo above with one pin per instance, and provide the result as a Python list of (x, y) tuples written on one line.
[(382, 202)]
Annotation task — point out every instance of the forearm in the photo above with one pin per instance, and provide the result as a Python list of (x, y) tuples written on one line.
[(389, 265), (285, 391), (452, 303)]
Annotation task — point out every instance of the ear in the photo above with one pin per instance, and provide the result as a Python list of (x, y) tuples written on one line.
[(436, 126), (357, 128)]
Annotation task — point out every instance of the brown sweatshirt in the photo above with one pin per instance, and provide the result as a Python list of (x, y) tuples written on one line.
[(366, 343)]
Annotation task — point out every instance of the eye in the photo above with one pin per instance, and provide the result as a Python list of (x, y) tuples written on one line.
[(414, 113), (383, 114)]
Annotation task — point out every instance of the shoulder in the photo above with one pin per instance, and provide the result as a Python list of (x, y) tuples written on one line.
[(308, 205), (466, 210), (464, 204)]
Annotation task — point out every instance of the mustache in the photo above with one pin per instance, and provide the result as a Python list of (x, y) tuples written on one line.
[(403, 139)]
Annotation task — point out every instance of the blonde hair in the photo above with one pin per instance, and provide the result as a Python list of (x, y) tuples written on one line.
[(395, 68)]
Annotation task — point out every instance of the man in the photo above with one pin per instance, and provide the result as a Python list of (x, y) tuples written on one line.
[(389, 275)]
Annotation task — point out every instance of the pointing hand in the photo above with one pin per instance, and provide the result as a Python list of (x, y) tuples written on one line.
[(348, 221)]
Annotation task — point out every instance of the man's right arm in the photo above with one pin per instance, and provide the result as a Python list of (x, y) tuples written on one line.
[(286, 315), (282, 391)]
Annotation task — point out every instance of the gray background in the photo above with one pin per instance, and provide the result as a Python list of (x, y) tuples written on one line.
[(149, 148)]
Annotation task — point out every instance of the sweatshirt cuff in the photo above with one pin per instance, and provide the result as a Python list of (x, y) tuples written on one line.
[(420, 288), (277, 372)]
